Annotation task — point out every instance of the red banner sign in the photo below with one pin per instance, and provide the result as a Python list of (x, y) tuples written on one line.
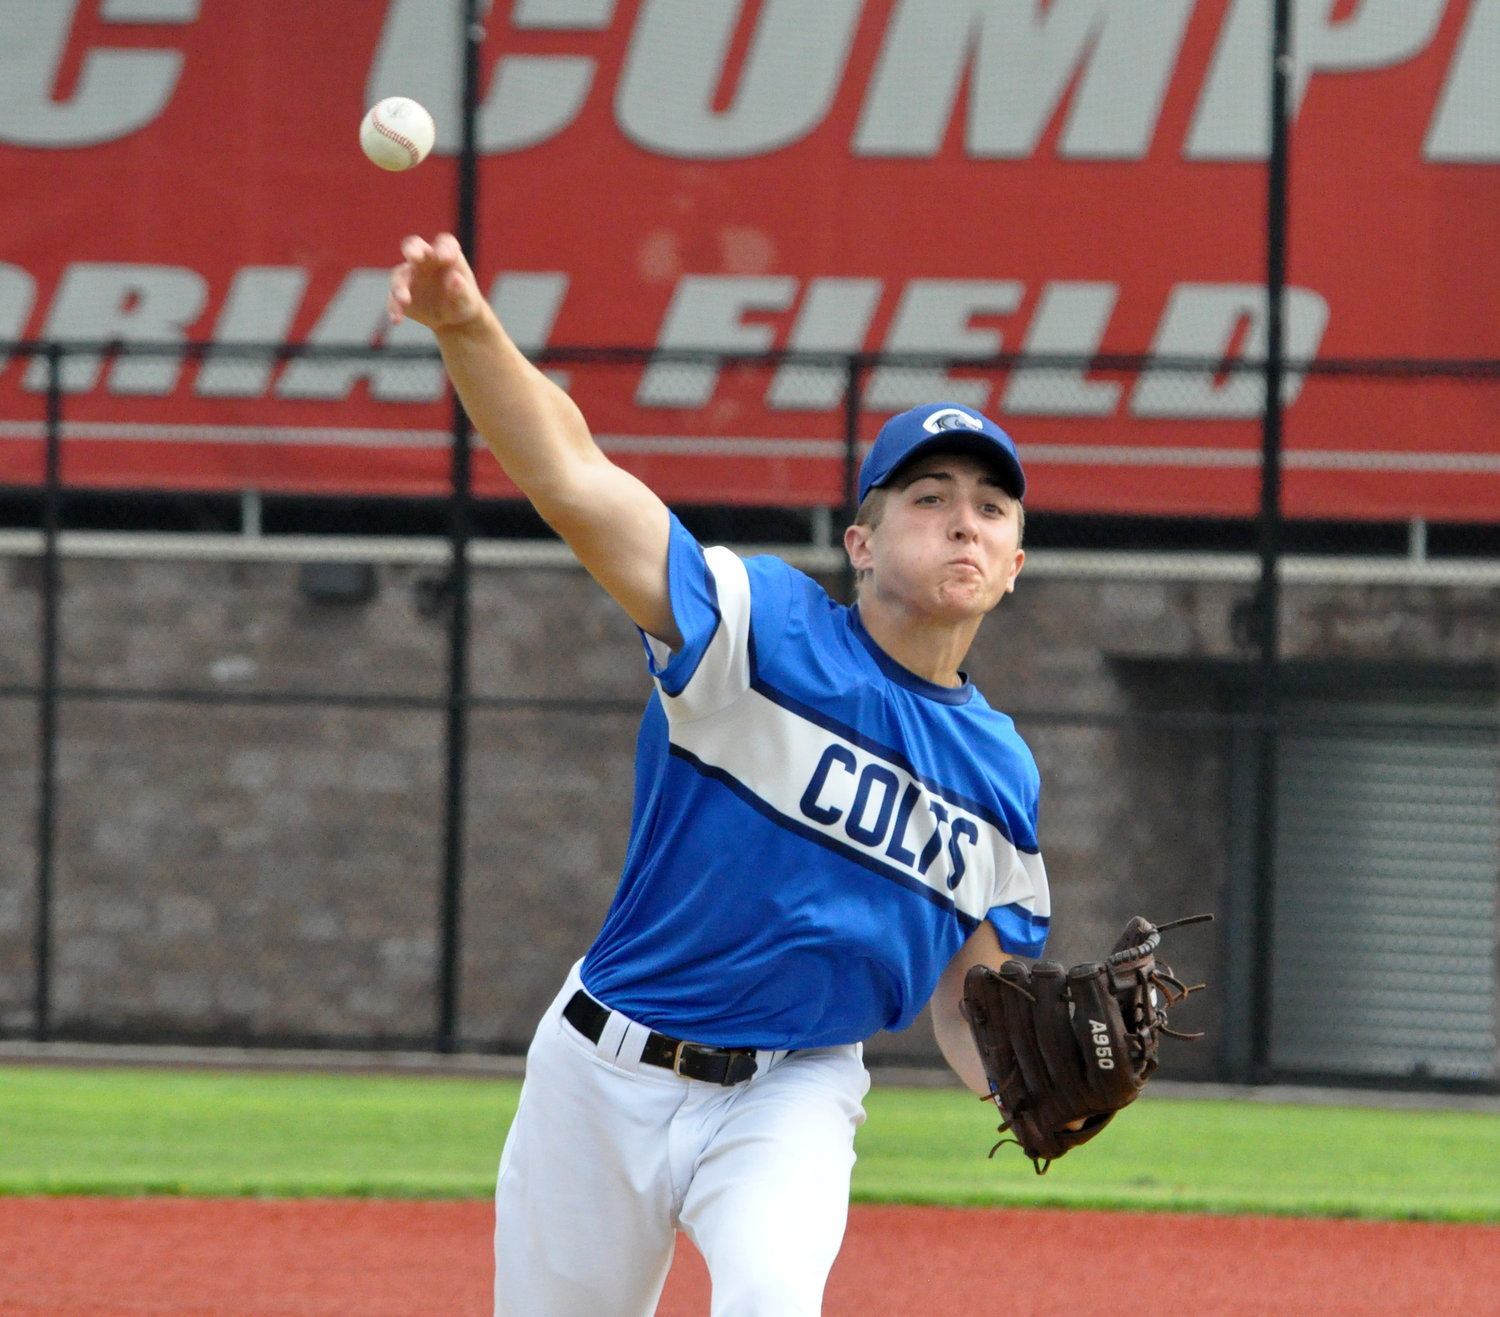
[(952, 177)]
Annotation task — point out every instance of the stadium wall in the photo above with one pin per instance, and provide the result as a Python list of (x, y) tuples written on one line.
[(250, 825)]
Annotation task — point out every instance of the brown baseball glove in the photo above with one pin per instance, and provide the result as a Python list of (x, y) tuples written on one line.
[(1064, 1050)]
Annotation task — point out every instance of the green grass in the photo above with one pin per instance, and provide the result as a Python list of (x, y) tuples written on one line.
[(1197, 1155), (109, 1131), (124, 1131)]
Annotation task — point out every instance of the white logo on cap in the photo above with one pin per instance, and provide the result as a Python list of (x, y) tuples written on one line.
[(950, 418)]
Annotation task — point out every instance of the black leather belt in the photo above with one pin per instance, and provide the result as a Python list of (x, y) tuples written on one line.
[(713, 1065)]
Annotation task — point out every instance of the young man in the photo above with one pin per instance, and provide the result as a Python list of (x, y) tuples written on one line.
[(830, 826)]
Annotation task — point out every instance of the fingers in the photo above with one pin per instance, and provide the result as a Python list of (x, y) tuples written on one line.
[(399, 297), (416, 254), (415, 250), (428, 270), (443, 250)]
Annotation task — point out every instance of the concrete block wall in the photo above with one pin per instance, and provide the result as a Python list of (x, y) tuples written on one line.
[(255, 870)]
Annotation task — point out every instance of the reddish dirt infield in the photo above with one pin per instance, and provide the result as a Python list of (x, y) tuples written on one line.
[(166, 1257)]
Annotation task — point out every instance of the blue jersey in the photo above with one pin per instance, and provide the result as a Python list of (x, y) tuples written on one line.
[(816, 830)]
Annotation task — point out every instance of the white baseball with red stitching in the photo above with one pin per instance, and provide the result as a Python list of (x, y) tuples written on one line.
[(397, 133)]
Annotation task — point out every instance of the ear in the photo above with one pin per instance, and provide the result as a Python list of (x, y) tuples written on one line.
[(1015, 570), (857, 546)]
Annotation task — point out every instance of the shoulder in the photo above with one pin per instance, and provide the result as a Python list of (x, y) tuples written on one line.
[(774, 572), (997, 750), (1002, 738), (774, 588)]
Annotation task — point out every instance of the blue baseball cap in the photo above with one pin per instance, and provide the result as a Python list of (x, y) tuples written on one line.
[(945, 426)]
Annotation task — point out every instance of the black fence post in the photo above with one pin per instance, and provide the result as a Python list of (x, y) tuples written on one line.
[(460, 516), (854, 390), (46, 812), (1267, 610)]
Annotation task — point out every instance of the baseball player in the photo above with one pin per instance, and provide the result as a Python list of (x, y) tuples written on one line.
[(830, 826)]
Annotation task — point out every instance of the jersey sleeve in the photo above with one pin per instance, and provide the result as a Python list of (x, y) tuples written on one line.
[(1023, 922), (711, 604), (1022, 914)]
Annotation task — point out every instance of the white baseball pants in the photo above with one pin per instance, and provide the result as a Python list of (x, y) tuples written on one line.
[(608, 1158)]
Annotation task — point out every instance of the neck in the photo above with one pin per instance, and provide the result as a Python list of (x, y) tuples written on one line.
[(933, 650)]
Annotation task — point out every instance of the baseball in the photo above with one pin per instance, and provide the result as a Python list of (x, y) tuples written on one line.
[(397, 133)]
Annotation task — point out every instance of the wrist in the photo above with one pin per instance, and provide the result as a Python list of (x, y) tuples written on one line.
[(480, 324)]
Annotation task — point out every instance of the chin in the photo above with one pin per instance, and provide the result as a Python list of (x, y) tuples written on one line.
[(962, 606)]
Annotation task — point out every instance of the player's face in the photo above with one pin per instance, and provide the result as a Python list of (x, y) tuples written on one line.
[(948, 544)]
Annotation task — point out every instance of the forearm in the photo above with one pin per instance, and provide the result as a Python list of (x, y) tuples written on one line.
[(957, 1046), (532, 427), (949, 1027), (616, 526)]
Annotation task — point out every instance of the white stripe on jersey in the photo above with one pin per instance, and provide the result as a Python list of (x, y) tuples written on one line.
[(723, 671), (823, 785)]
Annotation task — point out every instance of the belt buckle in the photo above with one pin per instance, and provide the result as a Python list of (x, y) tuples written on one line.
[(704, 1050), (677, 1059), (730, 1056)]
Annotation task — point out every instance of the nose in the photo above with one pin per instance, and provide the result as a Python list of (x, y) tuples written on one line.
[(964, 524)]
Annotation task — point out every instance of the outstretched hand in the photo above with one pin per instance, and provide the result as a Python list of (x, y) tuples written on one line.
[(434, 284)]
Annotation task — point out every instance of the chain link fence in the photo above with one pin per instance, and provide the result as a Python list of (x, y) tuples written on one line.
[(284, 767)]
